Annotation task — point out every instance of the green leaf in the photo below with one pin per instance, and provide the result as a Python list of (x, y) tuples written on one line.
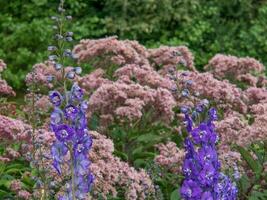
[(253, 164), (175, 195), (140, 163)]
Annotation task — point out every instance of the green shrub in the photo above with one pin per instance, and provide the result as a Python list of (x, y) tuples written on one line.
[(208, 27)]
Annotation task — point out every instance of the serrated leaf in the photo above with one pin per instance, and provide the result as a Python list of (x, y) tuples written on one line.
[(253, 164)]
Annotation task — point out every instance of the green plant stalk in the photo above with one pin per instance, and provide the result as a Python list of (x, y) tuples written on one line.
[(72, 173)]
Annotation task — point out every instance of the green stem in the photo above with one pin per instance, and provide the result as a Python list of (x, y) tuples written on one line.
[(72, 174)]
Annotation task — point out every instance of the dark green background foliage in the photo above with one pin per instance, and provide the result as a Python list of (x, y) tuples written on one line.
[(208, 27)]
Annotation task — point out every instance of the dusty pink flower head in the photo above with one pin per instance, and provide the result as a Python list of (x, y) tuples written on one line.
[(5, 89), (24, 194), (172, 56), (130, 101), (15, 186), (94, 80), (225, 94), (242, 69), (2, 65), (144, 75), (13, 129), (112, 174), (110, 50)]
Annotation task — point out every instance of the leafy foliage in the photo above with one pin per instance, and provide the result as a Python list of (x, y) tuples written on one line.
[(251, 185)]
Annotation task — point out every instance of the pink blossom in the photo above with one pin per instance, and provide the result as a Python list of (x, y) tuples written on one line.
[(242, 69)]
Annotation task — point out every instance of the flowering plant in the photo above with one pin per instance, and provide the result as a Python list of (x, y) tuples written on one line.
[(68, 120), (201, 166)]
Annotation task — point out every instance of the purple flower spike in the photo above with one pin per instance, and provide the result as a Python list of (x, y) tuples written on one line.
[(201, 168), (55, 98), (64, 132), (71, 112)]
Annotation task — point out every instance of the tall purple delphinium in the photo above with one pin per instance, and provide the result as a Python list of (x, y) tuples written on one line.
[(201, 168), (68, 120)]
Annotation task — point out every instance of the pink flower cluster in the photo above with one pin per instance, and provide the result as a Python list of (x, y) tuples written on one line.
[(165, 57), (241, 69), (5, 89), (13, 129), (129, 102), (226, 95), (103, 52), (111, 173), (16, 186)]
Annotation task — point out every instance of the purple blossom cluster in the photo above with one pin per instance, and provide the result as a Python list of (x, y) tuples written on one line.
[(201, 166), (70, 127)]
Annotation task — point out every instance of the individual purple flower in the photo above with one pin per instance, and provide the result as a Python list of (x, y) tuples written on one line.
[(76, 92), (213, 115), (190, 168), (203, 134), (190, 190), (188, 122), (58, 151), (81, 164), (84, 106), (55, 98), (56, 117), (207, 154), (83, 145), (207, 175), (71, 112), (64, 132)]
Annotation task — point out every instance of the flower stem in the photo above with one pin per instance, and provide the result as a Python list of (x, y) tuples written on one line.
[(72, 174)]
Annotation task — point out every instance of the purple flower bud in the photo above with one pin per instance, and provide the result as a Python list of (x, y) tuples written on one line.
[(69, 39), (55, 98), (70, 75), (67, 53), (50, 78), (84, 106), (78, 70), (52, 57), (51, 48), (61, 10), (69, 17), (76, 92), (58, 37), (184, 109), (185, 93), (54, 18), (57, 66), (69, 34)]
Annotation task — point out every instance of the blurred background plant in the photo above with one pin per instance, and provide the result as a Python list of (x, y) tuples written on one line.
[(207, 27)]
